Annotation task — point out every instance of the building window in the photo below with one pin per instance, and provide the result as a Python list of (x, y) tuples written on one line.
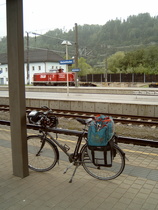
[(33, 68), (39, 68)]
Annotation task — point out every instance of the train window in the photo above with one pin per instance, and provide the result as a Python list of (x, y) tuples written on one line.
[(39, 68), (6, 69), (33, 68)]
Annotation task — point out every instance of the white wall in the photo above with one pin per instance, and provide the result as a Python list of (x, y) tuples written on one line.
[(4, 74)]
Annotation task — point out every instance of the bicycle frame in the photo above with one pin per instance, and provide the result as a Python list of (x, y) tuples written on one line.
[(73, 157), (80, 155)]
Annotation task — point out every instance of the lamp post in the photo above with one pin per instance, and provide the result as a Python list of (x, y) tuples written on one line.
[(0, 69), (67, 43)]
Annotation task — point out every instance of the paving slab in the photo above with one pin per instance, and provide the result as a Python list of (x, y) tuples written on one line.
[(135, 188)]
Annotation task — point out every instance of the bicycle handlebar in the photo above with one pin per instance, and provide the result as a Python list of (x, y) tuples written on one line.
[(43, 118)]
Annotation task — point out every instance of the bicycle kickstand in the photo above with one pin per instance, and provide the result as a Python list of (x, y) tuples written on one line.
[(68, 168), (73, 173)]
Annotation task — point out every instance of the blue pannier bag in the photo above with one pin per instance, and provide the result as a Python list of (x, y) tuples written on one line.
[(100, 132)]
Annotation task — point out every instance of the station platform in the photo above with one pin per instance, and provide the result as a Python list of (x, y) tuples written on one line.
[(121, 104), (136, 188), (90, 90)]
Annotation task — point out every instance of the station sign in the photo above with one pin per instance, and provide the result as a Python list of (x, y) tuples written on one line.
[(76, 70), (63, 62)]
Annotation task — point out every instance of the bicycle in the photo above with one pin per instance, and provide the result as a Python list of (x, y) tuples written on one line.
[(43, 153)]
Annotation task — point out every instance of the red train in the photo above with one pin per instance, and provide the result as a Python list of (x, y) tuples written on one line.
[(54, 78)]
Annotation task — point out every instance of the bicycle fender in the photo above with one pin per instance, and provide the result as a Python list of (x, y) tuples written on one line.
[(122, 152)]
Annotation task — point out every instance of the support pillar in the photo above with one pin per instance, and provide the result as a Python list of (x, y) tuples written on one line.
[(17, 87)]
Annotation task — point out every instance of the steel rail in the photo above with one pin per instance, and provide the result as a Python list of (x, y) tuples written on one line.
[(123, 119)]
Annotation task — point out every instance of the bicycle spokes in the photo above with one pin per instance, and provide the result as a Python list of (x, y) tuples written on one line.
[(42, 145)]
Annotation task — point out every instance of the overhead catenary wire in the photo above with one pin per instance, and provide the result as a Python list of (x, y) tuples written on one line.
[(52, 37), (39, 48)]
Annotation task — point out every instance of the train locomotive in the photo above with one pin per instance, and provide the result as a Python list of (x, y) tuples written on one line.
[(54, 78)]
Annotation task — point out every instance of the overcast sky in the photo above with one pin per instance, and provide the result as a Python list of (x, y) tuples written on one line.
[(41, 16)]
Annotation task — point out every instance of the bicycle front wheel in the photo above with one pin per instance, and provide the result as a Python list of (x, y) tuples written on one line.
[(42, 153), (102, 172)]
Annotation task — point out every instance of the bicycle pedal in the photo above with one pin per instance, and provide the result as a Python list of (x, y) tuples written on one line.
[(65, 171), (67, 168)]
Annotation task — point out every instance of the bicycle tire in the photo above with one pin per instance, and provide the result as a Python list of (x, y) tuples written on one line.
[(102, 172), (47, 157)]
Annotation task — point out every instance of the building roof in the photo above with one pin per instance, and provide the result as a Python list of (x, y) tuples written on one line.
[(37, 55)]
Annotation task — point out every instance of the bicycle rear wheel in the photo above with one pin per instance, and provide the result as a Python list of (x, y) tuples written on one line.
[(100, 172), (42, 153)]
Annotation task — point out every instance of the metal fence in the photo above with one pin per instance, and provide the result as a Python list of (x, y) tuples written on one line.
[(120, 78)]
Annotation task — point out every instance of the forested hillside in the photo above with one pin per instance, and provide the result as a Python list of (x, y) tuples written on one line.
[(98, 42)]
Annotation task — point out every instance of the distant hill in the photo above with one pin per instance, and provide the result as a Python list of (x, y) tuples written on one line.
[(97, 40)]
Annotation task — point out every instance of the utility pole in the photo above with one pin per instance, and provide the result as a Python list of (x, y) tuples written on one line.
[(27, 59), (106, 69), (76, 56), (76, 43)]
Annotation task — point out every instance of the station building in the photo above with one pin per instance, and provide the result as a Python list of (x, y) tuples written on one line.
[(36, 61)]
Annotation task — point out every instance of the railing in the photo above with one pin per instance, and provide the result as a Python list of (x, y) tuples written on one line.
[(120, 139)]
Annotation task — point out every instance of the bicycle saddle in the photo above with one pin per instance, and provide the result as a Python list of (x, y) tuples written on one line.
[(84, 121)]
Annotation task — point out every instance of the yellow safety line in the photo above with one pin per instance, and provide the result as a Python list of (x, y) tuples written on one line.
[(35, 134), (127, 150), (139, 152), (4, 130)]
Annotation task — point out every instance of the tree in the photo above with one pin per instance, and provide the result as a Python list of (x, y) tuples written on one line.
[(84, 67), (3, 45), (115, 62), (151, 59)]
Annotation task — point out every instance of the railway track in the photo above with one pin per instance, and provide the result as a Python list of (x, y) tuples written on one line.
[(119, 119), (123, 119)]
